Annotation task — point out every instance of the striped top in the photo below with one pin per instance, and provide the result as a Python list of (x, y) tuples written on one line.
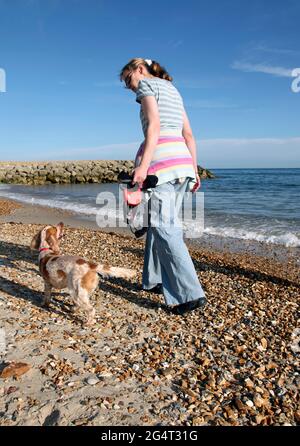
[(169, 101), (171, 158)]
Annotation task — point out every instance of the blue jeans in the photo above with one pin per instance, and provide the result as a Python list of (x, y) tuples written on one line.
[(166, 259)]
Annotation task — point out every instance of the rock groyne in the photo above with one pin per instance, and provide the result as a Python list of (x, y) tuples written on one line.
[(64, 172)]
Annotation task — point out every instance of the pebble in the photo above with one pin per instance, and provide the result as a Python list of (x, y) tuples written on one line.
[(209, 367), (249, 403), (92, 381)]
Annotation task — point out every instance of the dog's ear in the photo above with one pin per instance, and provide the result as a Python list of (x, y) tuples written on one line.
[(60, 230), (44, 235), (36, 241)]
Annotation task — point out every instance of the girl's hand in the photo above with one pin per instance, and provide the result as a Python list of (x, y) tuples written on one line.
[(139, 175), (198, 183)]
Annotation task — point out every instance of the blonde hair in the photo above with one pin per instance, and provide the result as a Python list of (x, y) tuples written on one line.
[(155, 68)]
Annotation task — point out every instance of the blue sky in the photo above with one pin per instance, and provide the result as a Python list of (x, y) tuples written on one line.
[(231, 61)]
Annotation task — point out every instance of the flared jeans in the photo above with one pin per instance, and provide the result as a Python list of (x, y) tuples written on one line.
[(166, 259)]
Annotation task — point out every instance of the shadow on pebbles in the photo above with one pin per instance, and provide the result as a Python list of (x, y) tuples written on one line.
[(235, 362)]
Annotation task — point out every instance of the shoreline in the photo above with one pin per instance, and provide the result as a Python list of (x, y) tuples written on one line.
[(19, 212)]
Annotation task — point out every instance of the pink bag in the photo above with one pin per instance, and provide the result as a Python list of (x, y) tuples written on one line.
[(132, 197)]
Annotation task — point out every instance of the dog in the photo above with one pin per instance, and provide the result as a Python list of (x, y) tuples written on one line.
[(78, 275)]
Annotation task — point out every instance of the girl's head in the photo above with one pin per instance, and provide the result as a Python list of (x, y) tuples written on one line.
[(137, 69)]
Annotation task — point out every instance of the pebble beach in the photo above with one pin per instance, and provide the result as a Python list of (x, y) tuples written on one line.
[(234, 362)]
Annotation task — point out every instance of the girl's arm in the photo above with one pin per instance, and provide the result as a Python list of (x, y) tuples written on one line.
[(150, 110), (187, 133)]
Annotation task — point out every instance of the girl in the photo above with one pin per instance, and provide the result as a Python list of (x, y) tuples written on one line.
[(169, 152)]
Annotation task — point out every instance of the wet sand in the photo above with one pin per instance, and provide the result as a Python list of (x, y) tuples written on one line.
[(26, 213)]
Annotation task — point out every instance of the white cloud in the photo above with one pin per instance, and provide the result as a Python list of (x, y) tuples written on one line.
[(261, 68), (284, 51), (249, 152), (176, 43), (2, 80), (251, 141), (212, 153)]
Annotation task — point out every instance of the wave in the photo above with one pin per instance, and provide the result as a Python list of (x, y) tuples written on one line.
[(63, 205), (287, 239), (191, 228)]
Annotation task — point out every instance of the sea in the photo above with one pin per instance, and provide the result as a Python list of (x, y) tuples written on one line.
[(261, 205)]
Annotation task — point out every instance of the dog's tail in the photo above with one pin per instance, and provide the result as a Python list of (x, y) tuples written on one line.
[(106, 270)]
